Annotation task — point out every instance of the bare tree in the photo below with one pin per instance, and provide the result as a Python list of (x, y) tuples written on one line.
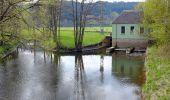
[(101, 18), (55, 18), (80, 11)]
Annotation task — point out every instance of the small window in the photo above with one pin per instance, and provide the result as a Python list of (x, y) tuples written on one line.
[(141, 30), (123, 30), (132, 28)]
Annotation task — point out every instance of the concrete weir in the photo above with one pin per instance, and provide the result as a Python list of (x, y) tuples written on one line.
[(110, 49), (127, 50)]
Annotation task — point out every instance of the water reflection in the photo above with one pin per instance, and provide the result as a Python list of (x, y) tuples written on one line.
[(47, 76), (28, 78), (102, 68), (80, 79), (128, 69)]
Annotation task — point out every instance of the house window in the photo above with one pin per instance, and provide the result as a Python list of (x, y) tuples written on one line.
[(141, 30), (123, 30), (132, 28)]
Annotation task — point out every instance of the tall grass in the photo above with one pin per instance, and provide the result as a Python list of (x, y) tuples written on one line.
[(157, 86)]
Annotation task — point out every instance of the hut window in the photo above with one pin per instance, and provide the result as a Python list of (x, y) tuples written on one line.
[(141, 30), (123, 30), (132, 28)]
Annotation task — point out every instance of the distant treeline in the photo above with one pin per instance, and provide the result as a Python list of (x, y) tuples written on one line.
[(106, 10)]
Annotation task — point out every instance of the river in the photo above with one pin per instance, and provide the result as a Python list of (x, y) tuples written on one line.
[(39, 76)]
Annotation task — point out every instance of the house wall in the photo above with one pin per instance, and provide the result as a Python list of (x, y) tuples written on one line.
[(135, 39), (116, 32)]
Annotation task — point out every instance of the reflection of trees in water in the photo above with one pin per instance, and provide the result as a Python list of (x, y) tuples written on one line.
[(8, 78), (51, 57), (56, 73), (81, 86), (45, 75), (57, 66), (57, 59), (44, 56), (80, 79), (51, 65), (102, 68)]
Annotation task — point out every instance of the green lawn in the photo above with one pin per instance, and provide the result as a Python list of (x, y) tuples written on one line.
[(157, 86), (67, 36), (106, 29)]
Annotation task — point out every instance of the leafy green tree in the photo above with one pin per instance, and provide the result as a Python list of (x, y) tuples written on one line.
[(157, 18)]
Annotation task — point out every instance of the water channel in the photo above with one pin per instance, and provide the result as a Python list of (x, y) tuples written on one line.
[(47, 76)]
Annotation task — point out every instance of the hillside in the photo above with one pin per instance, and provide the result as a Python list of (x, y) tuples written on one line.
[(110, 12)]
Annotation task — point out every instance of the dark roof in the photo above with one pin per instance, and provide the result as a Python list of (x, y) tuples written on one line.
[(129, 17)]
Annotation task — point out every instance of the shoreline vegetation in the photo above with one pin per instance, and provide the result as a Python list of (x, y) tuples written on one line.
[(92, 36), (157, 64), (5, 48)]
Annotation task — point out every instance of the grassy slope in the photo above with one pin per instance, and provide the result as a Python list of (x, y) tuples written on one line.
[(157, 64), (67, 36), (106, 29)]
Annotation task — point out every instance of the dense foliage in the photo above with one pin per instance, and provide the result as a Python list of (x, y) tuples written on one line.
[(10, 23), (16, 15), (157, 18)]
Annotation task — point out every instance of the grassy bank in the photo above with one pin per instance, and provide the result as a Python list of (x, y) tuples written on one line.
[(157, 86), (66, 37), (91, 29)]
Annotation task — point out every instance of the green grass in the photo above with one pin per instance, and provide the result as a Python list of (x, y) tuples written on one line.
[(106, 29), (157, 86), (67, 37)]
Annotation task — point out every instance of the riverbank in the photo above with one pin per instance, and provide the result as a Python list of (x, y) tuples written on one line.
[(66, 37), (157, 65)]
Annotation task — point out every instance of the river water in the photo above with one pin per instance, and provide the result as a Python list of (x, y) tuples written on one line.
[(46, 76)]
